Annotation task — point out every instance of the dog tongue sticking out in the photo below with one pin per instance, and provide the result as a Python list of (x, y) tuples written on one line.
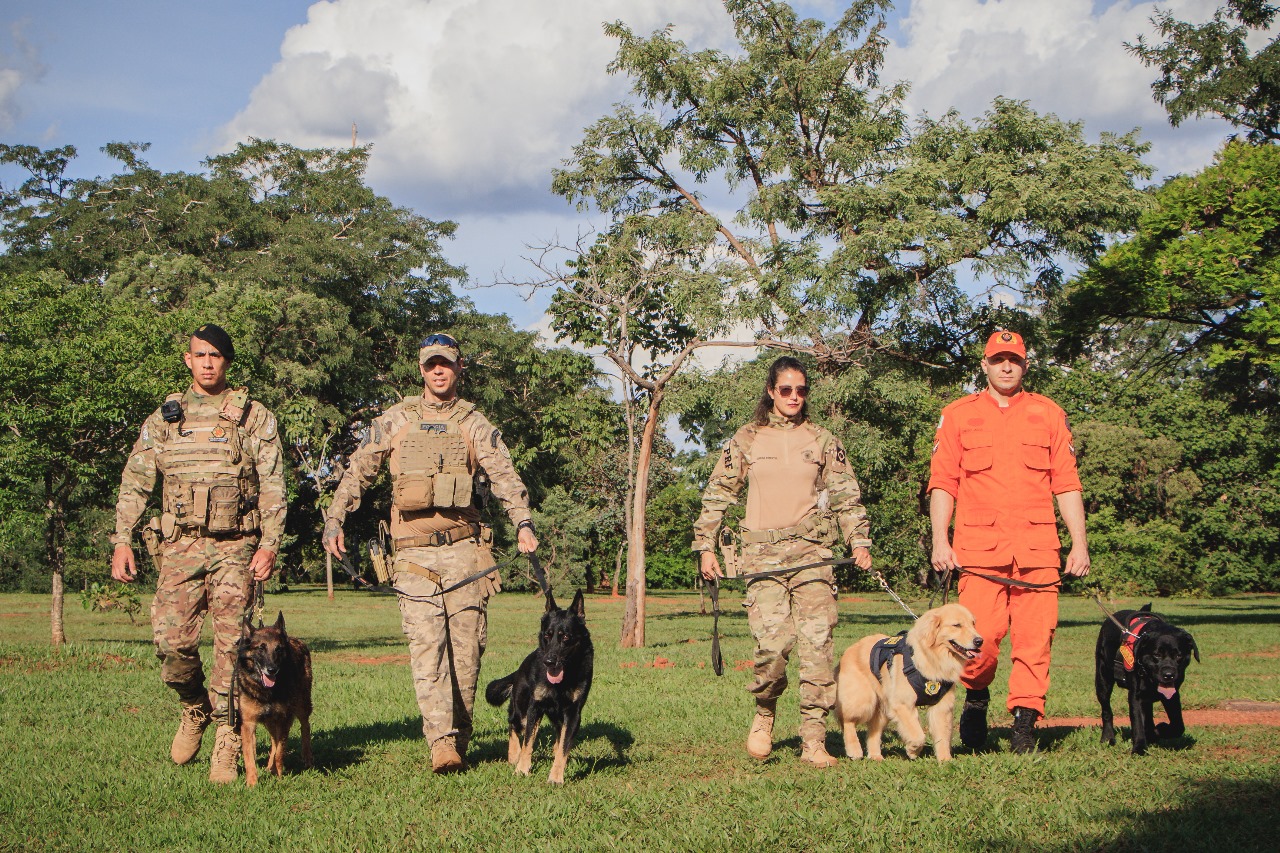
[(557, 678), (1167, 692), (267, 681)]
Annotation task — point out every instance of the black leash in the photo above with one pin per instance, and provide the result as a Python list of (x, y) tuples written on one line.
[(256, 602), (539, 575), (717, 659)]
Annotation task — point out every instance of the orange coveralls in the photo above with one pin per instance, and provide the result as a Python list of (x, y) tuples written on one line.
[(1003, 466)]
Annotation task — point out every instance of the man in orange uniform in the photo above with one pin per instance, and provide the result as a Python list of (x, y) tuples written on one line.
[(1000, 457)]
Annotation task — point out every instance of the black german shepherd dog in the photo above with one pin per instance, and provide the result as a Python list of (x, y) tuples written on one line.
[(274, 677), (553, 681), (1149, 659)]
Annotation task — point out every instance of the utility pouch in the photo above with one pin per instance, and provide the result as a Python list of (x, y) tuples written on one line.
[(168, 527), (251, 521), (729, 553), (378, 557), (224, 509), (412, 492), (491, 583), (463, 487), (822, 532), (444, 486)]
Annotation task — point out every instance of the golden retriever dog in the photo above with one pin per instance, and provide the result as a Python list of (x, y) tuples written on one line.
[(918, 668)]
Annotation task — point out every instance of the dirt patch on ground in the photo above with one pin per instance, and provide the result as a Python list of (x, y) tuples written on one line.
[(1236, 712), (379, 660)]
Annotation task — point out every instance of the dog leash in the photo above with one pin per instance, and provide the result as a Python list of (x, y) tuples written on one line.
[(717, 659), (256, 603), (1112, 616)]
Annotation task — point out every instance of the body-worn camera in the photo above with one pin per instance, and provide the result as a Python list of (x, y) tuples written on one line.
[(171, 411)]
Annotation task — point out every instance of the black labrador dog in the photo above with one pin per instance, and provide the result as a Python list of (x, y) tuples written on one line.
[(554, 681), (1149, 658)]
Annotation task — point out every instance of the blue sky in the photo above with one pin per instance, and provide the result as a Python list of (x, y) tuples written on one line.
[(471, 103)]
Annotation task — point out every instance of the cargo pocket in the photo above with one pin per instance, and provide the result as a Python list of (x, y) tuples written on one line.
[(1044, 528), (977, 530), (412, 492), (1035, 450), (975, 450)]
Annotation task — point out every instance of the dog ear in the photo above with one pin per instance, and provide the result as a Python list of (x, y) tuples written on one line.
[(280, 621), (1146, 608), (578, 606), (551, 602), (1195, 650), (932, 624)]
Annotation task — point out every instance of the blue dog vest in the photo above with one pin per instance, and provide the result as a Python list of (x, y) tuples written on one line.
[(928, 692)]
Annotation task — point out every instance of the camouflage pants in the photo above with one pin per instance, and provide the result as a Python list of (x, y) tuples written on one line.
[(200, 575), (444, 654), (793, 612)]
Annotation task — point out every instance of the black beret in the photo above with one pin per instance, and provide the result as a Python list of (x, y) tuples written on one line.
[(217, 336)]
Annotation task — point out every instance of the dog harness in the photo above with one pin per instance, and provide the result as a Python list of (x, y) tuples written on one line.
[(1127, 657), (928, 692)]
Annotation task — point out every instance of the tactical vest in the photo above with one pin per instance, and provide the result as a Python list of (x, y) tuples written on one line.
[(210, 483), (432, 461)]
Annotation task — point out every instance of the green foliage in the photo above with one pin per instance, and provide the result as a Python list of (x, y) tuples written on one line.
[(1182, 488), (101, 597), (1205, 257), (1208, 69), (848, 223)]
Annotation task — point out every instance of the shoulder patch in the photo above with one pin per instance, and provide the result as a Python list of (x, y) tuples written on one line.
[(494, 438)]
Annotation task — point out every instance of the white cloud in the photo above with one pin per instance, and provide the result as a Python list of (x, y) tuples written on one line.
[(16, 71), (471, 103), (1065, 57)]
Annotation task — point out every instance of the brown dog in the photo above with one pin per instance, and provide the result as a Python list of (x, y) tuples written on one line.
[(275, 688), (918, 668)]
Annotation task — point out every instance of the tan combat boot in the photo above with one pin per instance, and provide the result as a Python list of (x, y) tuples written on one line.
[(445, 757), (760, 739), (224, 763), (195, 719), (814, 753)]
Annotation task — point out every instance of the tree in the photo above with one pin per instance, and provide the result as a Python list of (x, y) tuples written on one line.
[(74, 368), (641, 294), (790, 180), (1205, 257), (1208, 69), (849, 225)]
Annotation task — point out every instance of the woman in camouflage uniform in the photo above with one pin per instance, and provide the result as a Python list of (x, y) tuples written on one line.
[(797, 477)]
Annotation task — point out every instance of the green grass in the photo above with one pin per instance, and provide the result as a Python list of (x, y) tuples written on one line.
[(659, 765)]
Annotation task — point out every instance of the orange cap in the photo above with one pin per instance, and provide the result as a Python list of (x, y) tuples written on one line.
[(1005, 341)]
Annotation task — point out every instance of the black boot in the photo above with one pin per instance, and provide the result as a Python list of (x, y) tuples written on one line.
[(973, 719), (1023, 737)]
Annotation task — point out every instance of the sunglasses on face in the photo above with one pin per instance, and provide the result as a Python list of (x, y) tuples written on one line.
[(800, 391), (438, 340)]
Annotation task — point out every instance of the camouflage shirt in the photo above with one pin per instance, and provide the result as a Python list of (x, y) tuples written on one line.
[(793, 470), (262, 465), (485, 450)]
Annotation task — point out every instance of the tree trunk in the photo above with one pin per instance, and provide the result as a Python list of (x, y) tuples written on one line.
[(55, 616), (54, 537), (633, 619)]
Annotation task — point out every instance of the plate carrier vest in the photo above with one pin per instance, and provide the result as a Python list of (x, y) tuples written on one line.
[(433, 460), (210, 484)]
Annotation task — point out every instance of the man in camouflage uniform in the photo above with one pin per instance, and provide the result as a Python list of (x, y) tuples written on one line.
[(799, 476), (436, 447), (223, 514)]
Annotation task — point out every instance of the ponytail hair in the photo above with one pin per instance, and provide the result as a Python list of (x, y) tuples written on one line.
[(765, 405)]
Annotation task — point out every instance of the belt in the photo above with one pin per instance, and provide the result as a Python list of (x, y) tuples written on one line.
[(440, 537), (781, 534)]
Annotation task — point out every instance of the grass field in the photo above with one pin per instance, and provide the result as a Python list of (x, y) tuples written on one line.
[(660, 763)]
